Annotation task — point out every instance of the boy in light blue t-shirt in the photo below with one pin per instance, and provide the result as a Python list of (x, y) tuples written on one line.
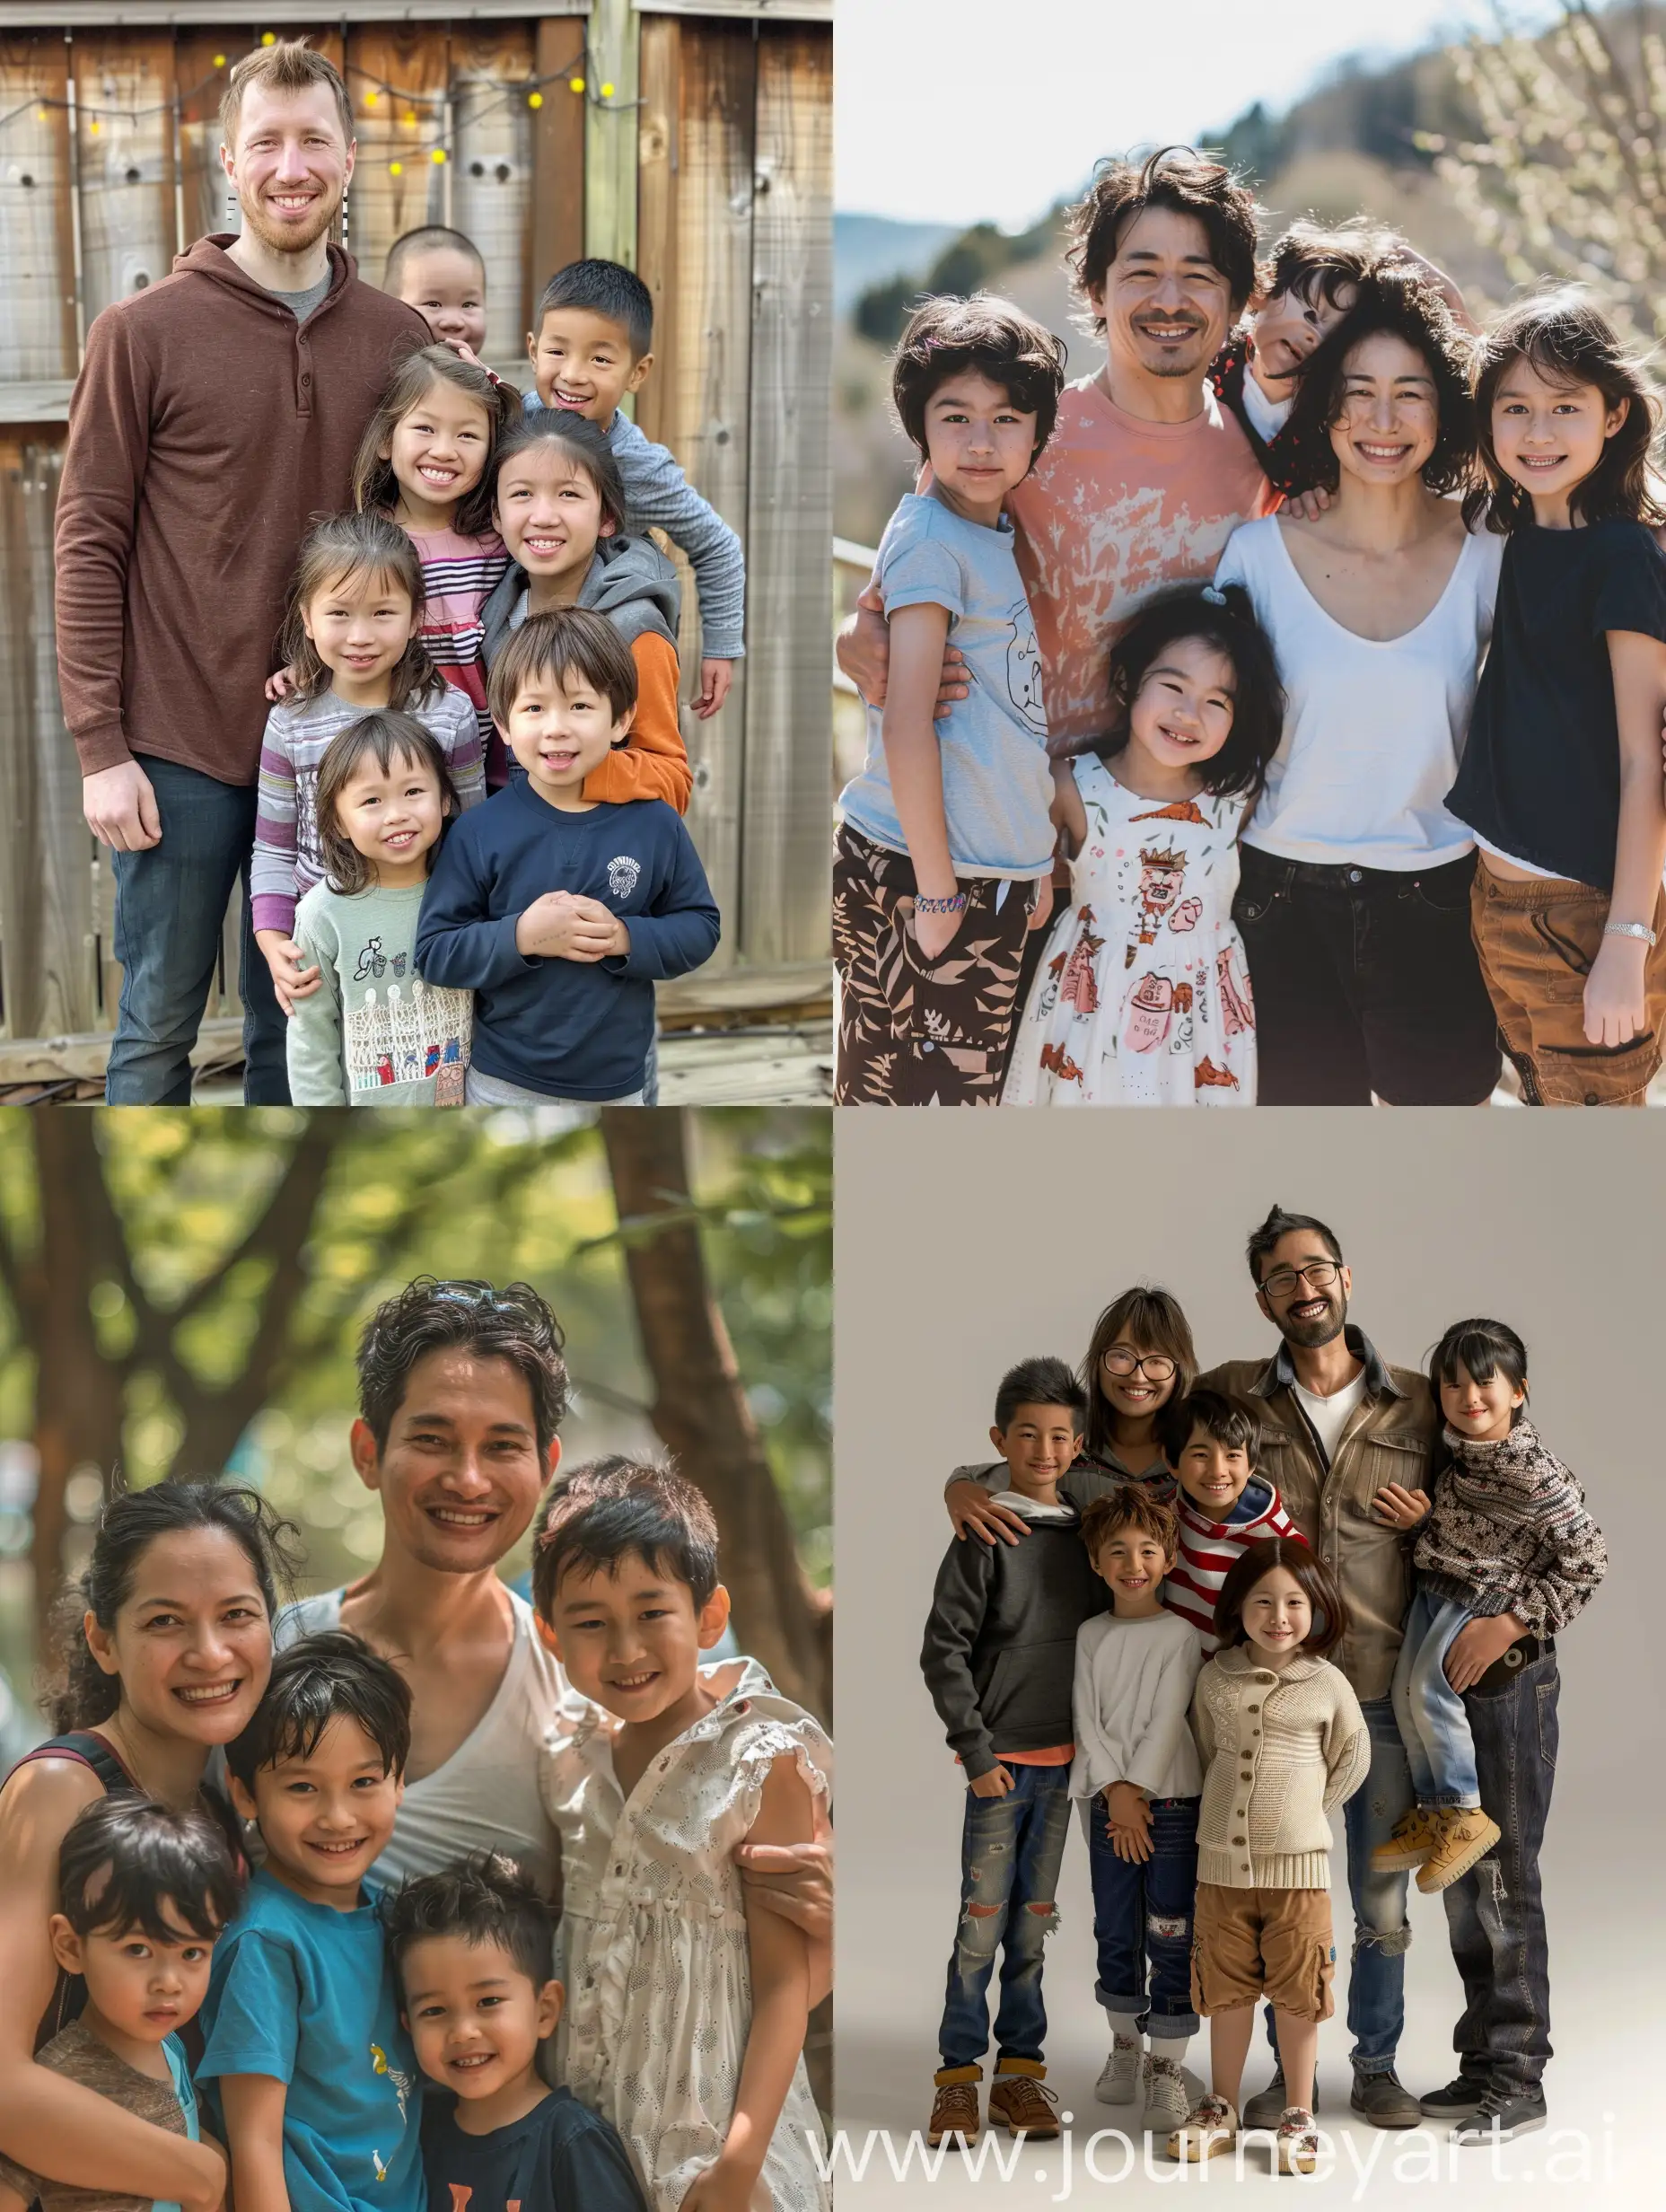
[(305, 2054)]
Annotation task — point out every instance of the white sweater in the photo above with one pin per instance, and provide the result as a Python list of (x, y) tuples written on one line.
[(1281, 1746), (1133, 1685)]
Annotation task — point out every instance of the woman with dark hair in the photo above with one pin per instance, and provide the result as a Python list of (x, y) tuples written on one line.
[(1355, 897), (1139, 1358), (166, 1649)]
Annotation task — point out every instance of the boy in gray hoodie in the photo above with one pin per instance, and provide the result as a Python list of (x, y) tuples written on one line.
[(999, 1660)]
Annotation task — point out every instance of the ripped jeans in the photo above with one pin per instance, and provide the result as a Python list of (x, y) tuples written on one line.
[(1011, 1849), (1144, 1911)]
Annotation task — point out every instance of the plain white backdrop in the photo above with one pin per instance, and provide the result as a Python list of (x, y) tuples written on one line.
[(965, 1242)]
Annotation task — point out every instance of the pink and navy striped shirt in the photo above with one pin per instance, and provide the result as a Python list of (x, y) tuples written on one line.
[(1210, 1549), (459, 574)]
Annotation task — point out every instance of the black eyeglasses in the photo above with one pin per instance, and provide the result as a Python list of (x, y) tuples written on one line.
[(1317, 1274), (1155, 1366)]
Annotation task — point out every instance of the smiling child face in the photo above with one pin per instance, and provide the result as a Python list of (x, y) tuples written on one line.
[(476, 2017), (1132, 1563), (1481, 1411), (1277, 1616), (630, 1635), (326, 1815), (1213, 1474)]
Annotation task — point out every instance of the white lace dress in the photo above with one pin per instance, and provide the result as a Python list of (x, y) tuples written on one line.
[(1142, 995), (653, 1946)]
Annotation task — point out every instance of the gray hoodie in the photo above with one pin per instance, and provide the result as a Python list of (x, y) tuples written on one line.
[(630, 581)]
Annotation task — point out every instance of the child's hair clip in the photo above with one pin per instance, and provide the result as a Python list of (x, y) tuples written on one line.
[(1215, 598)]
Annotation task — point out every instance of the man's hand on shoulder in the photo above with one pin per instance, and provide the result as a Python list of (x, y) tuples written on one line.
[(120, 807)]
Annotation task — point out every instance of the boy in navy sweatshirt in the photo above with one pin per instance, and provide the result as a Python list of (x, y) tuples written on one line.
[(558, 912)]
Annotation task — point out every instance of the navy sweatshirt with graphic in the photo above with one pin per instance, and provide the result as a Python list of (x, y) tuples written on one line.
[(571, 1028)]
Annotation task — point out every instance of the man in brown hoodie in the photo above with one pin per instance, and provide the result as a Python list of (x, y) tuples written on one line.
[(214, 416)]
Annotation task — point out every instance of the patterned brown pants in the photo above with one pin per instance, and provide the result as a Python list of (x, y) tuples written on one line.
[(913, 1032)]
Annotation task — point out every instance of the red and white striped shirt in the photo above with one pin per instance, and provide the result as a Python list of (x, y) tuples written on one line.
[(1209, 1550), (459, 574)]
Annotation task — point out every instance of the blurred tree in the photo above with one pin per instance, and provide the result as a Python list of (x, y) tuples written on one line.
[(967, 263)]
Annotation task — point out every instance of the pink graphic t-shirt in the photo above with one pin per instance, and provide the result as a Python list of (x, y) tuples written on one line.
[(1115, 509)]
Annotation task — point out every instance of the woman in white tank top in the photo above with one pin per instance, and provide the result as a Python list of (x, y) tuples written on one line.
[(1354, 902)]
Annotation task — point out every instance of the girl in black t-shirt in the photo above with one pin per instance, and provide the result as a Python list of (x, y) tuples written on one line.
[(1561, 777)]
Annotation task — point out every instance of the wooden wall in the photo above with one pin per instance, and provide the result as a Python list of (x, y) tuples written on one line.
[(108, 165)]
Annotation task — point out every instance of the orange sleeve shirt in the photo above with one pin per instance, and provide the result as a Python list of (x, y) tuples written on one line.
[(655, 764)]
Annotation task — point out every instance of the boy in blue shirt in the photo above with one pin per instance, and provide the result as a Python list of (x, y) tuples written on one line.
[(559, 912), (305, 2052)]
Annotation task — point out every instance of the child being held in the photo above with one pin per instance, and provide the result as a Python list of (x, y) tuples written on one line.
[(143, 1892), (1142, 998), (564, 979), (946, 835), (306, 2055), (1507, 1550), (375, 1033), (440, 273), (1282, 1743), (1225, 1504), (688, 2001), (999, 1661), (472, 1953), (590, 345), (1138, 1783)]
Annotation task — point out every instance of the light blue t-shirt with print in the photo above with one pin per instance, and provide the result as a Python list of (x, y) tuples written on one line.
[(306, 1995), (996, 784), (179, 2067)]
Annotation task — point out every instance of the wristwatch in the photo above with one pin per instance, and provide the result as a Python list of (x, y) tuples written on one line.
[(1629, 929)]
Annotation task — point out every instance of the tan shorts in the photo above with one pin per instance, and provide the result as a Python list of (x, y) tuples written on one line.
[(1536, 944), (1274, 1944)]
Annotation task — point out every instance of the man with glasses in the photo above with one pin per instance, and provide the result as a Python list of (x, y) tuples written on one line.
[(1339, 1426)]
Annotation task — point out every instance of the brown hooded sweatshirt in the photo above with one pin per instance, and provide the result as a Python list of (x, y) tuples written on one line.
[(208, 430)]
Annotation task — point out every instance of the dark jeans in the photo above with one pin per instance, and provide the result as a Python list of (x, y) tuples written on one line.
[(1141, 1912), (1011, 1849), (171, 905), (1496, 1914), (1366, 981)]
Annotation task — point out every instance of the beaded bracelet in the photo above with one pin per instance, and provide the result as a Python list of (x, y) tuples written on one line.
[(957, 905)]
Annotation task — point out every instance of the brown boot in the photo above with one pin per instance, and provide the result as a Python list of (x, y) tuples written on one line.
[(1018, 2104), (954, 2113)]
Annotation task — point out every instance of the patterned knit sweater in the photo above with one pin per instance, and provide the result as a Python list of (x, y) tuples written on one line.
[(1509, 1533), (1280, 1747)]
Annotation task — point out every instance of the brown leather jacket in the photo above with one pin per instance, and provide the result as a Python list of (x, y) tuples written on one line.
[(1392, 1435)]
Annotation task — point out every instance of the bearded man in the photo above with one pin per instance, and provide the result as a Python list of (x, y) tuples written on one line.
[(216, 416)]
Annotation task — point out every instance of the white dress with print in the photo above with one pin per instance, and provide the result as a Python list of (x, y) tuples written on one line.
[(653, 1945), (1142, 995)]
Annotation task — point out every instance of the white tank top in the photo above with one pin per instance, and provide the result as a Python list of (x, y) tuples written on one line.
[(485, 1796), (1373, 728)]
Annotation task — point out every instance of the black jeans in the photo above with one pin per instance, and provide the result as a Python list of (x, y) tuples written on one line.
[(1494, 1915), (1366, 981)]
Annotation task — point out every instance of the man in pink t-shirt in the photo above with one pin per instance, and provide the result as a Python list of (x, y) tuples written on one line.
[(1146, 476)]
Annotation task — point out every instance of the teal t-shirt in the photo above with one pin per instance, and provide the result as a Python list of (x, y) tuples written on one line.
[(173, 2052), (306, 1995)]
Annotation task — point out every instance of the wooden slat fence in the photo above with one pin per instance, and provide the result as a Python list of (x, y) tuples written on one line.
[(708, 166)]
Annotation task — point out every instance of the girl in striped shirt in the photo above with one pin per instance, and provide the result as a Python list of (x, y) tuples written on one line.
[(1213, 1443), (427, 462)]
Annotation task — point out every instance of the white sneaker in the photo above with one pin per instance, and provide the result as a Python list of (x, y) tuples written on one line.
[(1167, 2102), (1123, 2076)]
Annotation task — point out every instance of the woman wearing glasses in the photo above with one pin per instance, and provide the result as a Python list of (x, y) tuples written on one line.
[(1139, 1356)]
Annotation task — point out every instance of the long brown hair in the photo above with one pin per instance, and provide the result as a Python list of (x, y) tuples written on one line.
[(1143, 1315), (387, 737), (353, 544), (376, 488)]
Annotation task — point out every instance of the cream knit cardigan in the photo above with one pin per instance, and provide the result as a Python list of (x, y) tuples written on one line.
[(1279, 1747)]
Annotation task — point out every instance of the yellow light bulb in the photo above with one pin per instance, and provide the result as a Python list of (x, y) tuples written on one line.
[(94, 127), (410, 121), (269, 37), (438, 154), (370, 100), (396, 169), (607, 92), (575, 84), (535, 99), (219, 61)]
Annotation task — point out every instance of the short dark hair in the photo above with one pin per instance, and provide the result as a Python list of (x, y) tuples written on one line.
[(1040, 1383), (582, 442), (1311, 257), (124, 1858), (946, 338), (1230, 1421), (567, 641), (1565, 338), (615, 1508), (1177, 177), (1483, 1348), (486, 1898), (513, 1324), (430, 238), (383, 736), (604, 288), (1402, 302), (1226, 622), (328, 1675), (1330, 1613), (1143, 1315), (1131, 1506), (1278, 1224)]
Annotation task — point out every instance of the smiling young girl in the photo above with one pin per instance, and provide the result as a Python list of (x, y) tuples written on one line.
[(1143, 998), (352, 644), (376, 1034), (946, 846), (1561, 778), (1282, 1742)]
